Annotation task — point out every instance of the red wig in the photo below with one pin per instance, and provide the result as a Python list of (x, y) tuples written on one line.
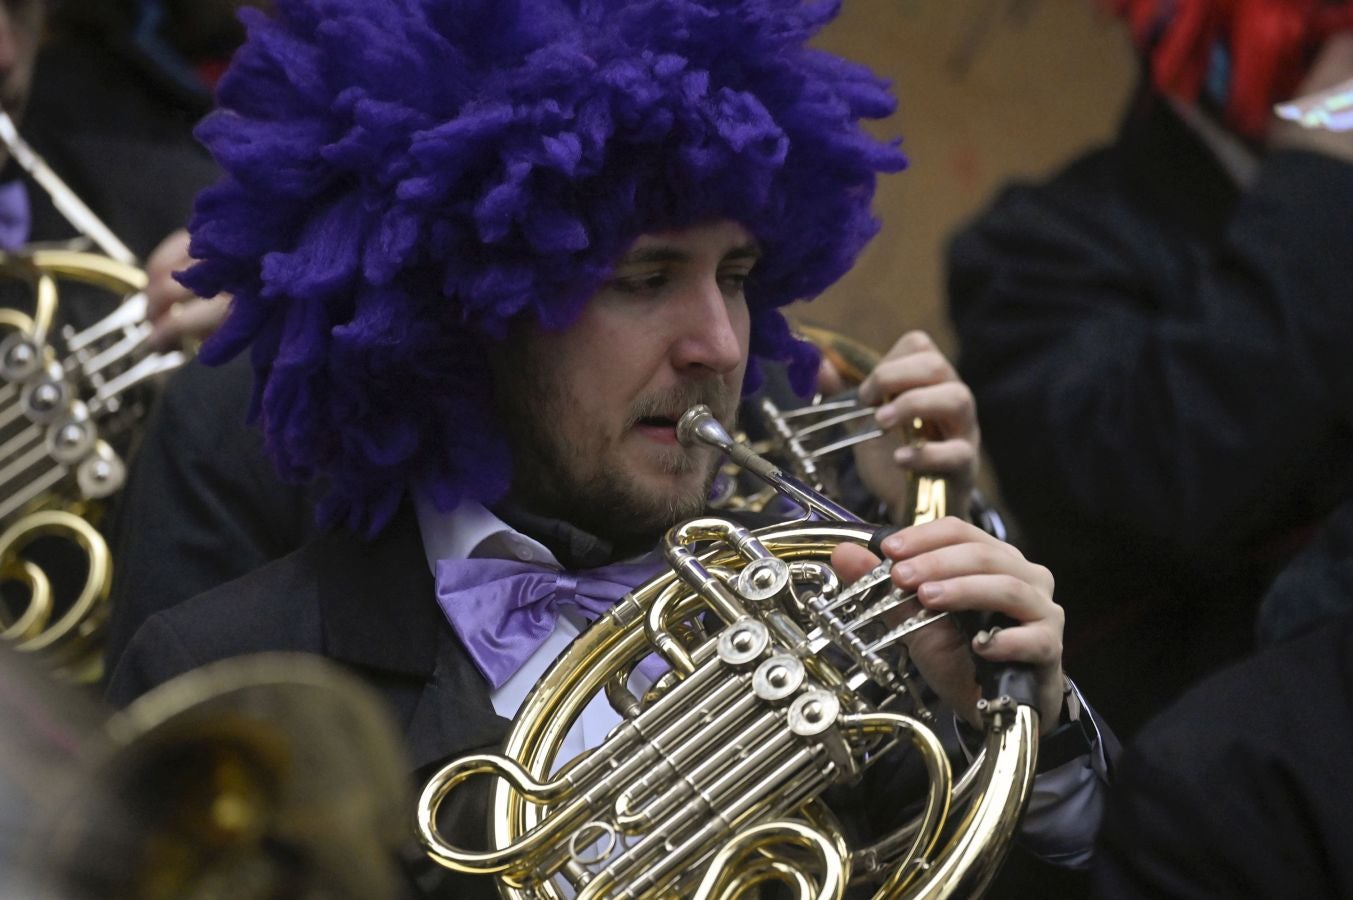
[(1269, 45)]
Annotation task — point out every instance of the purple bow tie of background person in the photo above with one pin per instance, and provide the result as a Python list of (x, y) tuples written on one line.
[(504, 609), (15, 216)]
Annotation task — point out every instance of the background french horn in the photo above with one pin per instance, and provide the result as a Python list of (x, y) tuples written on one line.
[(68, 402), (713, 782), (269, 776)]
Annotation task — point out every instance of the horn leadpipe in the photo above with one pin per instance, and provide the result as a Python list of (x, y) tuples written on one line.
[(698, 426)]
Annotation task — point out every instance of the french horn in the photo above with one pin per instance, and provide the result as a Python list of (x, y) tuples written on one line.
[(227, 781), (782, 682), (69, 400)]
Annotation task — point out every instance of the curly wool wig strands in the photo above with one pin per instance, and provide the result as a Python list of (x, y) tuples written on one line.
[(405, 178), (1264, 47)]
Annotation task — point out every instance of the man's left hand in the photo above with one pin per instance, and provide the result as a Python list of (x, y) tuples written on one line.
[(954, 566), (915, 380)]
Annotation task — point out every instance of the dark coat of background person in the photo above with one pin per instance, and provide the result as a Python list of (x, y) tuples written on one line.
[(1242, 788), (1160, 365), (1316, 585)]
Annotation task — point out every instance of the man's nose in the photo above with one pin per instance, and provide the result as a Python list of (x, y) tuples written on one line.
[(711, 331)]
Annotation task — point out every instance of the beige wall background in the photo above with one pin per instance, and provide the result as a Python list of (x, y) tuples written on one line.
[(989, 91)]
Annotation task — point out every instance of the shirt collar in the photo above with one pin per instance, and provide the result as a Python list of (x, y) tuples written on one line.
[(471, 530)]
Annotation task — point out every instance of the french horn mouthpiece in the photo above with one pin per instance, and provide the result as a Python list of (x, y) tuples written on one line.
[(698, 426)]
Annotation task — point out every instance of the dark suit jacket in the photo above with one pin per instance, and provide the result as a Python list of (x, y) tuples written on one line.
[(203, 505), (365, 605)]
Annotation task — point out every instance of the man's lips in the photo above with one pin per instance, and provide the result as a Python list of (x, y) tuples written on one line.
[(658, 428)]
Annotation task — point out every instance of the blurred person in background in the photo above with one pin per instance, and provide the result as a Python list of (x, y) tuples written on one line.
[(1157, 341), (1241, 789)]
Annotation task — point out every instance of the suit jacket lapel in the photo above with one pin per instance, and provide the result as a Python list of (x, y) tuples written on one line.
[(454, 714), (378, 613)]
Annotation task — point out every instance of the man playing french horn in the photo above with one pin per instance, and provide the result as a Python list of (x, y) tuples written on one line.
[(486, 257)]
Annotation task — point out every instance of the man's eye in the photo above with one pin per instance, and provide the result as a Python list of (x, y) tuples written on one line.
[(734, 282), (646, 283)]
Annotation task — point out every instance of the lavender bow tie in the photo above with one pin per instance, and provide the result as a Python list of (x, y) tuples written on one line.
[(503, 609)]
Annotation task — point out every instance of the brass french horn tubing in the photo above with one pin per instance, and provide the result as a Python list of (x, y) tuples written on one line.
[(806, 440), (724, 768), (705, 429), (39, 609)]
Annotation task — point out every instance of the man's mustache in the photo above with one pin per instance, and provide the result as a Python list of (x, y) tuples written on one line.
[(671, 403)]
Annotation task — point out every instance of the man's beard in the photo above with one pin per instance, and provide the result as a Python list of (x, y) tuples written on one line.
[(615, 508), (556, 477)]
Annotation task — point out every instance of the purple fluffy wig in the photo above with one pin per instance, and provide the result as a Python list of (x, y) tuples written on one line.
[(405, 178)]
